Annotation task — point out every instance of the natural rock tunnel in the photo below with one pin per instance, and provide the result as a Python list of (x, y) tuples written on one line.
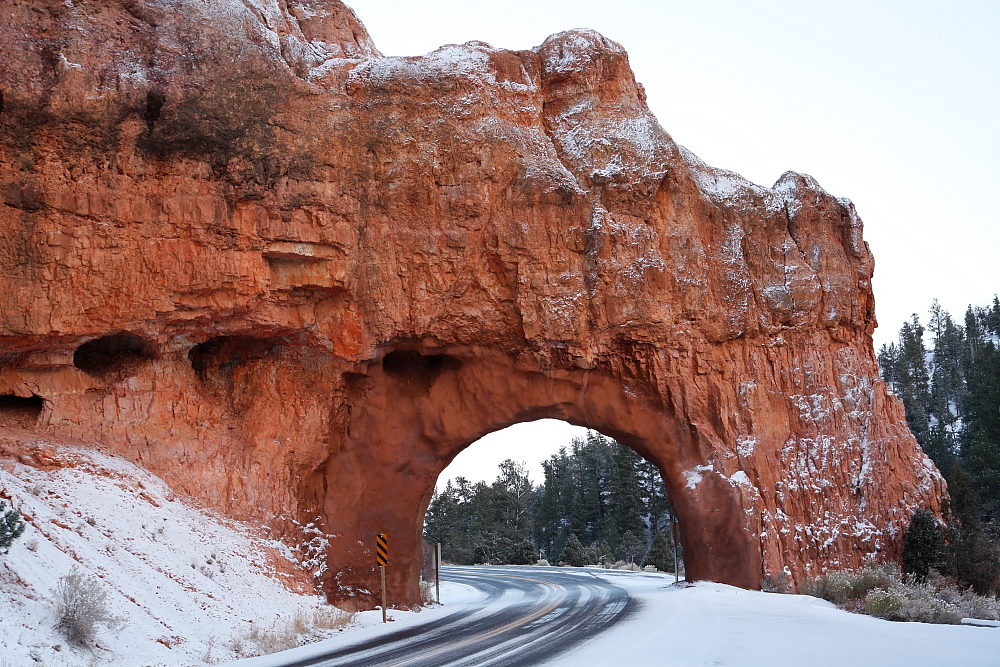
[(295, 278)]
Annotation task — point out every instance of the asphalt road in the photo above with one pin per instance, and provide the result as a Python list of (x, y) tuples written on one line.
[(529, 614)]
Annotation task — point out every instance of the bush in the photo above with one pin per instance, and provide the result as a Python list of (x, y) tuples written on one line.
[(573, 553), (502, 550), (522, 552), (660, 556), (82, 606), (847, 585), (427, 591), (780, 584), (11, 527), (974, 554), (882, 603), (879, 591), (977, 560), (923, 546)]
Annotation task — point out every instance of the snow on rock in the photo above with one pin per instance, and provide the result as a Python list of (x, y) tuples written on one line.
[(190, 586), (694, 475)]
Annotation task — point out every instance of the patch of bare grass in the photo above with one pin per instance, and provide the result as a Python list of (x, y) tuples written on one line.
[(304, 627)]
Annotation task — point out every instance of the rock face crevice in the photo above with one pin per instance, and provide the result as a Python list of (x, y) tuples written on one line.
[(294, 278)]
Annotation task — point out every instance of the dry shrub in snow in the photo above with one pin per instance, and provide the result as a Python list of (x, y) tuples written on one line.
[(879, 590), (426, 592), (777, 584), (847, 585), (299, 630), (82, 607)]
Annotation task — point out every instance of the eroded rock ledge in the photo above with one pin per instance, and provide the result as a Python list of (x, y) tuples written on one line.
[(295, 278)]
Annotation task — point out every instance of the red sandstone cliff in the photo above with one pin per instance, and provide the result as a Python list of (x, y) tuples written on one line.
[(295, 278)]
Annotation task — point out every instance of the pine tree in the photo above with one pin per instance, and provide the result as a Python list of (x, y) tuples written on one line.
[(11, 527), (654, 495), (632, 549), (912, 383), (888, 357), (923, 546), (660, 555), (981, 436), (512, 499), (947, 387), (975, 558), (447, 522), (625, 498), (547, 517), (573, 554)]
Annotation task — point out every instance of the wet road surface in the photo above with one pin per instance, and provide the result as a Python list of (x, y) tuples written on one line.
[(529, 614)]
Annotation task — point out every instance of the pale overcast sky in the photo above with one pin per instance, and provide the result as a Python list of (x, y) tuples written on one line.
[(895, 105)]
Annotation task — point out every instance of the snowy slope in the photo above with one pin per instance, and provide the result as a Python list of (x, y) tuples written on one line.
[(192, 588)]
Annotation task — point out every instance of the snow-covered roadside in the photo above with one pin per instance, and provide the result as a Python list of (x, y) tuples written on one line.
[(714, 624), (368, 624), (190, 587)]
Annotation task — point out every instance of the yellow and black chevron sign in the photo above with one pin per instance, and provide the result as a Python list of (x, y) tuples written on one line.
[(381, 549)]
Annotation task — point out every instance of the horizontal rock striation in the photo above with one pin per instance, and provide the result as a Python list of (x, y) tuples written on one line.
[(295, 278)]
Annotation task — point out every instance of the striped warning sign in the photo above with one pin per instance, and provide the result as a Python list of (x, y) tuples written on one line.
[(381, 549)]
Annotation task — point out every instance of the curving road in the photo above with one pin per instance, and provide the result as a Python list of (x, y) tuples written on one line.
[(529, 615)]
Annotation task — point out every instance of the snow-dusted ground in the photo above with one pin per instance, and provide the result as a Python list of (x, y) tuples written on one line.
[(368, 624), (713, 624), (189, 586)]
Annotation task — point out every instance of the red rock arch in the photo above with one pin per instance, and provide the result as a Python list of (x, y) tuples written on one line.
[(409, 420), (514, 226)]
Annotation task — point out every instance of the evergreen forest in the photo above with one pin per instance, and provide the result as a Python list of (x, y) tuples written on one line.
[(947, 375), (599, 502)]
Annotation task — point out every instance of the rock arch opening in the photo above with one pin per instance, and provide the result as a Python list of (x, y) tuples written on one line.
[(552, 493), (112, 354), (418, 407), (20, 411)]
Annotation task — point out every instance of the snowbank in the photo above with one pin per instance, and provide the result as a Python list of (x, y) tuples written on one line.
[(191, 587), (714, 624)]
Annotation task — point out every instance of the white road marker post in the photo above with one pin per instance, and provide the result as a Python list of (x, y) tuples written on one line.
[(437, 570)]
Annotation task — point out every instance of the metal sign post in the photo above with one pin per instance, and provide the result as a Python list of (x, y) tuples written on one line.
[(437, 570), (382, 571), (382, 558), (673, 538)]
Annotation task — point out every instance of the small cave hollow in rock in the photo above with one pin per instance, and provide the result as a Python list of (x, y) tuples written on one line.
[(154, 103), (417, 371), (224, 353), (20, 411), (111, 354)]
